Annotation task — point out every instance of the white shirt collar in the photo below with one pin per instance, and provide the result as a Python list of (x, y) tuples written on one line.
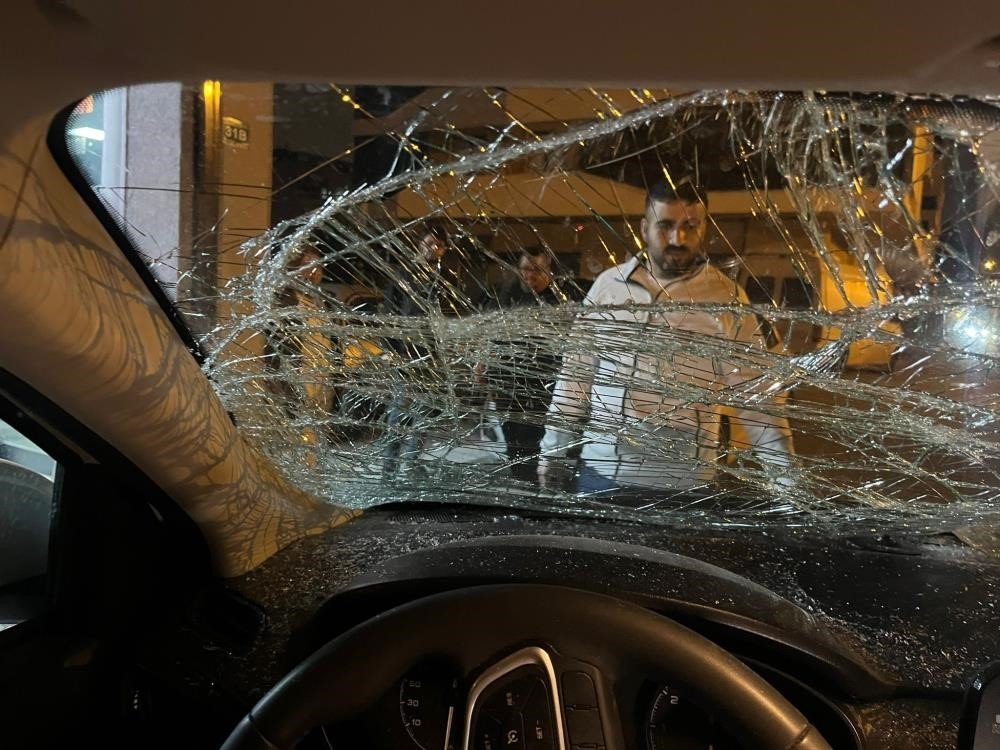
[(629, 267)]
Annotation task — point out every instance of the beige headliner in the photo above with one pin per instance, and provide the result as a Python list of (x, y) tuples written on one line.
[(79, 326), (56, 50)]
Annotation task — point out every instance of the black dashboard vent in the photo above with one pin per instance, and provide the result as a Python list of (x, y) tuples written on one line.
[(229, 620)]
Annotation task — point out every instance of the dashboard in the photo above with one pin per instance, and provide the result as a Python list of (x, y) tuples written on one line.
[(518, 704), (874, 638), (541, 667)]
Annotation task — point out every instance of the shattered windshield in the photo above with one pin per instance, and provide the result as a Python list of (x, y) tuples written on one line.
[(652, 305)]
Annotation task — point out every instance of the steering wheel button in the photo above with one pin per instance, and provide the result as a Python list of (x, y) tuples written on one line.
[(537, 714), (578, 690), (508, 697), (537, 736), (584, 727), (487, 734), (512, 734)]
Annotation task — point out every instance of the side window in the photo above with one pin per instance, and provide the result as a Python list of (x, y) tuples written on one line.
[(760, 290), (27, 491), (797, 294)]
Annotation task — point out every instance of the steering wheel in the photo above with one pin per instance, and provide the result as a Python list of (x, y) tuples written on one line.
[(549, 634)]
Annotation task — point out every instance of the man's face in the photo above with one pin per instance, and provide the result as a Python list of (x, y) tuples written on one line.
[(535, 272), (673, 233), (309, 267), (432, 249)]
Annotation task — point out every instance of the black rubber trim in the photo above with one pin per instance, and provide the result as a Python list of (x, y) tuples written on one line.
[(35, 416), (17, 410), (56, 141)]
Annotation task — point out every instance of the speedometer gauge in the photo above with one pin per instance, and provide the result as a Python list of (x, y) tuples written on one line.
[(427, 709), (677, 724)]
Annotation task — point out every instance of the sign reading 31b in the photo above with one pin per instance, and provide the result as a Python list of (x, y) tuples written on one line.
[(235, 132)]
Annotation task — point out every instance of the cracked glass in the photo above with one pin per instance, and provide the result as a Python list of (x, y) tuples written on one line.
[(657, 306)]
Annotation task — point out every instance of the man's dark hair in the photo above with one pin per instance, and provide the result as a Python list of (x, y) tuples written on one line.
[(436, 231), (684, 191), (535, 251)]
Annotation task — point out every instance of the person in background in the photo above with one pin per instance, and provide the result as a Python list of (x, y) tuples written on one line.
[(417, 289), (522, 376), (635, 407), (417, 286), (298, 352)]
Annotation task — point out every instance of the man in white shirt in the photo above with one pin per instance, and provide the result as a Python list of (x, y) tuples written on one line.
[(642, 393)]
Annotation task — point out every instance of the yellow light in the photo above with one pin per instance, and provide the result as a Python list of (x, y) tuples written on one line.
[(212, 102), (211, 90), (990, 264)]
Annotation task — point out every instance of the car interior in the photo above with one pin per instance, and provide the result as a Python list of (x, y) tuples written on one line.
[(182, 566)]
